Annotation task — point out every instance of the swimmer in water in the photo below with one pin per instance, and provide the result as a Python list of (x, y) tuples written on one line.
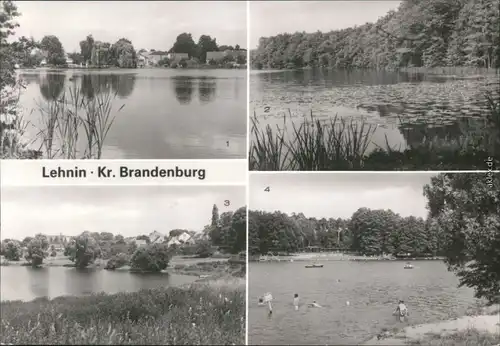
[(261, 302), (296, 301), (270, 307), (314, 305)]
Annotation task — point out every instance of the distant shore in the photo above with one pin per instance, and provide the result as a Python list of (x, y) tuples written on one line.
[(467, 330), (204, 268), (336, 257)]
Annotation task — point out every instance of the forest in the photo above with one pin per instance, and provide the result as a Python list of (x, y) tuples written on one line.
[(420, 33)]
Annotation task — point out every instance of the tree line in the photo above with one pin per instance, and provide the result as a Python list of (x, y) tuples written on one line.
[(462, 225), (420, 33), (226, 233)]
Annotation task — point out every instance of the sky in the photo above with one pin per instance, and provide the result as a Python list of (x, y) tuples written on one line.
[(339, 195), (125, 210), (269, 18), (148, 24)]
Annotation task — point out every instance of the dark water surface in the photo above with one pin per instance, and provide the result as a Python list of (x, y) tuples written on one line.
[(407, 108), (371, 288), (26, 283), (168, 113)]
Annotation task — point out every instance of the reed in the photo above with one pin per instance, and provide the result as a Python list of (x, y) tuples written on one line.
[(196, 315), (75, 126)]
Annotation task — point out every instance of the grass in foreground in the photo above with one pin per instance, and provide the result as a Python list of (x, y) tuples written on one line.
[(470, 337), (199, 315)]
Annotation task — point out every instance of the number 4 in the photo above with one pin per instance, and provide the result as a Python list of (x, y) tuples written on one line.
[(267, 189)]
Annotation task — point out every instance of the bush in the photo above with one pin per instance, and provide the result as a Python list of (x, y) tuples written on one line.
[(13, 251), (53, 253), (153, 258), (117, 261)]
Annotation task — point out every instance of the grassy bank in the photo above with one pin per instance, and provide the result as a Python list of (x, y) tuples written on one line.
[(197, 315), (341, 144)]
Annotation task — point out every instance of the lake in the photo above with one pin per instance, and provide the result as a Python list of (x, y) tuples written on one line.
[(167, 113), (372, 289), (26, 283), (405, 108)]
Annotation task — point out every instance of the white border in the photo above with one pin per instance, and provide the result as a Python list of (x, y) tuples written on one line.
[(248, 171)]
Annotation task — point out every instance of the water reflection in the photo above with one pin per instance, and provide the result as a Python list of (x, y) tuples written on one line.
[(207, 88), (39, 282), (83, 280), (52, 85), (183, 87), (121, 84)]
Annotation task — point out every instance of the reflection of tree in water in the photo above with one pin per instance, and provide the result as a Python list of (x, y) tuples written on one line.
[(121, 84), (183, 87), (29, 78), (52, 85), (39, 281), (207, 87), (418, 134)]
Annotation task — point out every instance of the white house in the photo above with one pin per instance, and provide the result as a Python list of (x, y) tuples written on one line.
[(156, 237), (184, 238), (140, 242), (177, 56)]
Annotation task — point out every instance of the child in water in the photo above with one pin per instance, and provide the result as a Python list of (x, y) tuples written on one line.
[(296, 301), (401, 311)]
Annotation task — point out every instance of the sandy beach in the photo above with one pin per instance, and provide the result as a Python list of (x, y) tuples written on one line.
[(482, 323)]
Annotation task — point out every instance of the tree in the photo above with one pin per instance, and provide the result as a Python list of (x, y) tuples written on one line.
[(76, 57), (204, 249), (466, 207), (7, 60), (184, 44), (37, 248), (215, 216), (238, 239), (86, 47), (53, 49), (117, 261), (153, 258), (83, 250), (13, 251), (26, 241), (206, 44), (123, 54)]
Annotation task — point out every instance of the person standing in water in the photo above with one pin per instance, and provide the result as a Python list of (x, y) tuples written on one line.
[(401, 311), (296, 301)]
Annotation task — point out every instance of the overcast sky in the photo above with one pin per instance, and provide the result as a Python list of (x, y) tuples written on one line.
[(148, 24), (126, 210), (340, 194), (269, 18)]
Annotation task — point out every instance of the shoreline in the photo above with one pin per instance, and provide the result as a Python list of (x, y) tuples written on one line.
[(334, 258), (488, 323)]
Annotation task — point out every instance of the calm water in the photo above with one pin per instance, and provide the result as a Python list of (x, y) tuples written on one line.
[(26, 283), (168, 113), (405, 108), (372, 288)]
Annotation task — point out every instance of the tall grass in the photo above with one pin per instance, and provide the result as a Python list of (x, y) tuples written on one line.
[(75, 121), (337, 144), (198, 315)]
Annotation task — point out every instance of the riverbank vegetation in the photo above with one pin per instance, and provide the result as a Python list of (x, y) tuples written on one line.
[(198, 315), (225, 237), (462, 225), (424, 33), (341, 144)]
